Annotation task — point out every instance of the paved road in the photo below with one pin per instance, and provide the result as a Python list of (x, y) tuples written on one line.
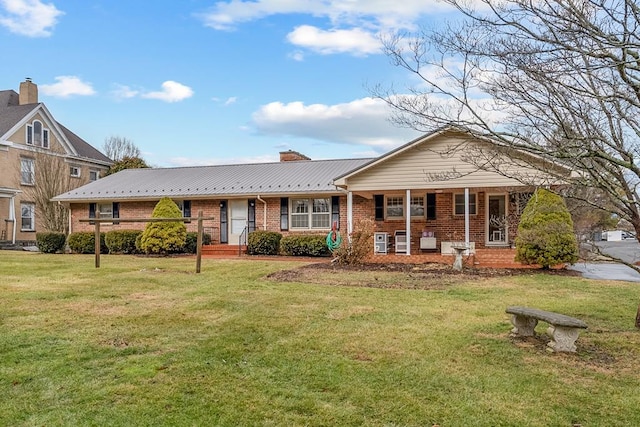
[(627, 250)]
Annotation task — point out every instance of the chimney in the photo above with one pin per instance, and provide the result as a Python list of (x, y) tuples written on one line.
[(292, 156), (28, 92)]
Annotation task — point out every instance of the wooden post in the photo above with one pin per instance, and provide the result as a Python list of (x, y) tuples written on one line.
[(199, 243), (97, 244)]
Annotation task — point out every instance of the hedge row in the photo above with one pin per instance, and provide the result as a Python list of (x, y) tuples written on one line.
[(121, 242), (272, 243)]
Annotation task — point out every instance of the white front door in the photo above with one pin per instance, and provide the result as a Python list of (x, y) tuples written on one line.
[(238, 217), (497, 230)]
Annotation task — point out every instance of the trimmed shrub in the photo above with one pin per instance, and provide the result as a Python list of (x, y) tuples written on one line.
[(305, 245), (50, 242), (191, 242), (164, 237), (122, 241), (361, 245), (83, 242), (545, 232), (262, 242)]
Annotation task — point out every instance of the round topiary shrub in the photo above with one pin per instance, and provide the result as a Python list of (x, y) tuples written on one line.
[(122, 241), (262, 242), (83, 242), (545, 232), (164, 237), (50, 242)]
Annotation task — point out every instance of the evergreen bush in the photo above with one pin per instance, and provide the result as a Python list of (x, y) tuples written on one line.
[(262, 242), (164, 237), (122, 241), (50, 242), (191, 242), (305, 245), (83, 242), (545, 232)]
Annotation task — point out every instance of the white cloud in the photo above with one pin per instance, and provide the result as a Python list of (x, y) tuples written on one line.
[(360, 122), (124, 92), (356, 40), (171, 92), (352, 26), (67, 86), (31, 18), (231, 100)]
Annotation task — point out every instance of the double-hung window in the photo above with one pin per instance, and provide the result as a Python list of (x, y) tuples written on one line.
[(28, 216), (417, 207), (94, 175), (459, 204), (27, 171), (74, 171), (311, 213), (395, 207)]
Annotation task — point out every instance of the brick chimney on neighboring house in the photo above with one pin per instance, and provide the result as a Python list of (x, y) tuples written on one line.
[(28, 92), (292, 156)]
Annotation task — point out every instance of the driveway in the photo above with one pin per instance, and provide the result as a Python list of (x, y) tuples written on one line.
[(626, 250)]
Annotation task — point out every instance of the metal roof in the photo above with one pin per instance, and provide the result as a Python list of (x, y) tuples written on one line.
[(281, 178)]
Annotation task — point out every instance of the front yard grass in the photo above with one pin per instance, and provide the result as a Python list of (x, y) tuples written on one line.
[(146, 342)]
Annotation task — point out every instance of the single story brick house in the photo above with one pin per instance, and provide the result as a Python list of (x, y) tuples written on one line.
[(424, 196)]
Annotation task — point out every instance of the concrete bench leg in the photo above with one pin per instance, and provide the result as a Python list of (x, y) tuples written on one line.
[(523, 326), (563, 338)]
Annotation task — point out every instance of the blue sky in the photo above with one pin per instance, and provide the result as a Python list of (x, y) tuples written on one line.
[(195, 82)]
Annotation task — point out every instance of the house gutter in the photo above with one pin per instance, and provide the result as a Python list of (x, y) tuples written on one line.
[(264, 212)]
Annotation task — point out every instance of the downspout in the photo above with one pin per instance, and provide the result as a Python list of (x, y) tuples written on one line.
[(466, 217), (349, 214), (12, 217), (408, 222), (264, 212)]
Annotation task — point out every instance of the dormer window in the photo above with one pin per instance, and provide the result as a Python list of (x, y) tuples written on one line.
[(37, 135)]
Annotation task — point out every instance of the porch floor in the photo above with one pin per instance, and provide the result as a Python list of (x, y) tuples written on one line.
[(483, 258)]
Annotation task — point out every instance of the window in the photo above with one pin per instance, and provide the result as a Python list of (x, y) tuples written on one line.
[(94, 175), (431, 206), (28, 216), (105, 210), (74, 171), (417, 206), (185, 207), (27, 171), (395, 207), (459, 204), (311, 213), (37, 135)]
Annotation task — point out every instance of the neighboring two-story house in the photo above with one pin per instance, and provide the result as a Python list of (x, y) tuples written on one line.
[(30, 137)]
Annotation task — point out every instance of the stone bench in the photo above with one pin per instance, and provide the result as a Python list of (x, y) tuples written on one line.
[(563, 329)]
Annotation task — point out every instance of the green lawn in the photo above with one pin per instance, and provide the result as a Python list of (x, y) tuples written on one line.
[(146, 342)]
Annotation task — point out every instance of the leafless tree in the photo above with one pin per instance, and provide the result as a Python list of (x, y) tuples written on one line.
[(118, 148), (50, 177), (558, 80)]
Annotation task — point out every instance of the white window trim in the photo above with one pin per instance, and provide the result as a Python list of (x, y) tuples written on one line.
[(475, 205), (424, 206), (99, 212), (310, 213), (44, 136), (32, 172), (386, 207), (32, 217), (77, 168)]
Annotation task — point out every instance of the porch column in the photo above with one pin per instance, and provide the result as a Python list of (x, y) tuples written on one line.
[(349, 215), (407, 209), (12, 217), (466, 217)]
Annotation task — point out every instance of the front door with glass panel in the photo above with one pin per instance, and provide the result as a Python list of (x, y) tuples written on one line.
[(497, 219), (238, 216)]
